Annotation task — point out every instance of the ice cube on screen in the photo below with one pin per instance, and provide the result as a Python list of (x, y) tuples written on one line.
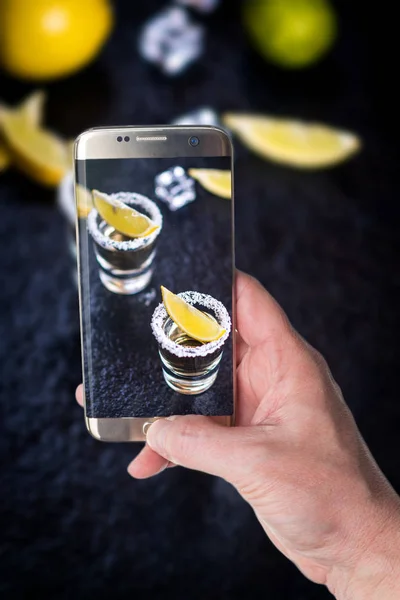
[(204, 6), (201, 116), (175, 187), (171, 40)]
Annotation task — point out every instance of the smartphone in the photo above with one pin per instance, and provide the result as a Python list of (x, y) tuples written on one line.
[(155, 243)]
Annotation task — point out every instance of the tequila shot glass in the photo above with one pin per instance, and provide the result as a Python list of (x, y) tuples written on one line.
[(125, 264), (189, 366)]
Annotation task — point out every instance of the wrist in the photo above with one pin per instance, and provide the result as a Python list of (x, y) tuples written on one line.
[(373, 571)]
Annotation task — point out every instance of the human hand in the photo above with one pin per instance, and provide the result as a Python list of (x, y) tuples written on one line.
[(296, 456)]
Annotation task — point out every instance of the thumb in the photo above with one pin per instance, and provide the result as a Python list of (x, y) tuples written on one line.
[(199, 443)]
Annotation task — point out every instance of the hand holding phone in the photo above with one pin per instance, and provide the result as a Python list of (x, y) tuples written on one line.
[(294, 457)]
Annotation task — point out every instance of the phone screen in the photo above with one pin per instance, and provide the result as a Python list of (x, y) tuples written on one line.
[(156, 263)]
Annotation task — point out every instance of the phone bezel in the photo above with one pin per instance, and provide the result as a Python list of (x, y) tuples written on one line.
[(101, 143)]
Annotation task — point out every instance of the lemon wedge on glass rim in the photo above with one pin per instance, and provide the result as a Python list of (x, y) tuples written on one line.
[(193, 322), (291, 142), (216, 181), (122, 217)]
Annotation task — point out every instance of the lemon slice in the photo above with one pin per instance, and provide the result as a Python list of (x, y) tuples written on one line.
[(37, 152), (303, 145), (216, 181), (193, 322), (122, 217), (31, 109), (84, 201), (4, 158)]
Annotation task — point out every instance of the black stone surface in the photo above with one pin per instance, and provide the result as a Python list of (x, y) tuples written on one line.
[(73, 525), (194, 252)]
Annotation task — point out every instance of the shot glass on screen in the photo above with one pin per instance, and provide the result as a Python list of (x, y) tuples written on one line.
[(190, 366), (125, 264)]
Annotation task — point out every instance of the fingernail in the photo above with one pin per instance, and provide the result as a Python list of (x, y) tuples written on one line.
[(165, 465), (130, 469)]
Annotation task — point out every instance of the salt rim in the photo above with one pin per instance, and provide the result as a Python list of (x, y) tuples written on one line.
[(160, 315), (134, 244)]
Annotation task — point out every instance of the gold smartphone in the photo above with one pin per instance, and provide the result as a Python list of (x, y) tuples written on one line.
[(156, 268)]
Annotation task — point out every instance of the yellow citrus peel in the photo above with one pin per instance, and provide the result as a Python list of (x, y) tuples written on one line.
[(196, 324)]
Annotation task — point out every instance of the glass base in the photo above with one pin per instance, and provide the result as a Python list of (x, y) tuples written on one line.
[(189, 385), (125, 281), (126, 285)]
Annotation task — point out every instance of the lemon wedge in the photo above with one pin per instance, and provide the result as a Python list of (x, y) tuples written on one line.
[(122, 217), (295, 143), (4, 158), (31, 110), (84, 201), (37, 152), (193, 322), (216, 181)]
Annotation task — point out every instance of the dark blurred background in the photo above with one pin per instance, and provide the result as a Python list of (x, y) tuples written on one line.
[(325, 244)]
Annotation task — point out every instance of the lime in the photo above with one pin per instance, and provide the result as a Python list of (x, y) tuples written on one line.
[(291, 33)]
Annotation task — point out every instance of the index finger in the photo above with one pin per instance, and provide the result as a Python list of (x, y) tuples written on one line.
[(79, 394)]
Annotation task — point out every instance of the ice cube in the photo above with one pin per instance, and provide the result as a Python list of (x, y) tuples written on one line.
[(175, 187), (204, 6), (171, 40), (200, 116)]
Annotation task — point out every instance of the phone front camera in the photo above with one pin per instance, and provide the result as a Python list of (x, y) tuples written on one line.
[(194, 141)]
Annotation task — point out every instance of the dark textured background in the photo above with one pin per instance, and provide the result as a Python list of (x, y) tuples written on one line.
[(193, 253), (326, 244)]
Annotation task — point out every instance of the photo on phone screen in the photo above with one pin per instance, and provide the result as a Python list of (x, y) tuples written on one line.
[(156, 263)]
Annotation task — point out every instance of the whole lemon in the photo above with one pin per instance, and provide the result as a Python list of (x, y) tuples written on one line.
[(46, 39), (291, 33)]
